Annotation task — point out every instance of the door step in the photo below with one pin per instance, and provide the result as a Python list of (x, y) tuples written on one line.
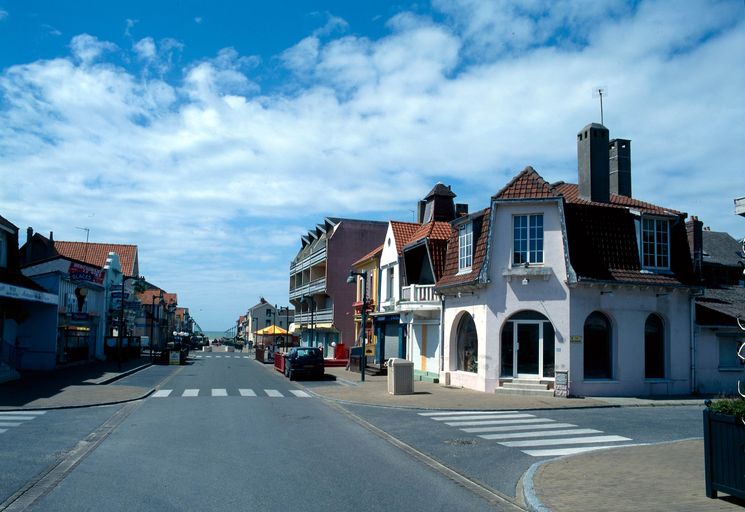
[(524, 387)]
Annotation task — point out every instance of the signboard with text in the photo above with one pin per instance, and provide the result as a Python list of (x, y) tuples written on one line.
[(80, 272)]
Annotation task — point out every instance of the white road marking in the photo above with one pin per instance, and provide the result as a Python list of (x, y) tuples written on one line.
[(162, 393), (507, 417), (541, 433), (556, 452), (273, 393), (22, 413), (300, 394), (8, 424), (3, 430), (247, 392), (510, 428), (493, 416), (570, 440), (458, 413), (190, 392), (220, 392)]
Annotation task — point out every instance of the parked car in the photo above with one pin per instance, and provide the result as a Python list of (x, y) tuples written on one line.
[(304, 361)]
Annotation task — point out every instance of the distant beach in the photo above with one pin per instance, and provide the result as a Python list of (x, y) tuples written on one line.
[(214, 334)]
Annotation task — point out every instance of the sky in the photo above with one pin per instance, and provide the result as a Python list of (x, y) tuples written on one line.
[(214, 134)]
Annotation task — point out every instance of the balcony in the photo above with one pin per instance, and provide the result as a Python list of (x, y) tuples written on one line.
[(418, 297), (319, 316), (311, 288), (314, 258)]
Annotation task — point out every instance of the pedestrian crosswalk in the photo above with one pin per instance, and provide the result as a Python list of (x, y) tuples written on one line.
[(533, 435), (12, 419), (223, 392)]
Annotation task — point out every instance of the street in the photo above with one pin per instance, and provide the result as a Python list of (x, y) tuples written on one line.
[(225, 432)]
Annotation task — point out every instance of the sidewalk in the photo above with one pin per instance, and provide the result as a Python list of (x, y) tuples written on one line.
[(82, 385)]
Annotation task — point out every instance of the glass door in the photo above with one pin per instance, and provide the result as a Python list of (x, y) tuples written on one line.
[(528, 349)]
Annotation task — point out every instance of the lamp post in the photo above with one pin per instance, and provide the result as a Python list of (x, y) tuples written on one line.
[(363, 320)]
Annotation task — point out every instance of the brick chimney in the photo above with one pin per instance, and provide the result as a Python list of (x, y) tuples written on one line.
[(593, 163), (620, 167), (694, 228)]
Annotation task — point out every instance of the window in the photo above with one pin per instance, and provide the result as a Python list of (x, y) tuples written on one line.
[(268, 311), (654, 348), (468, 345), (597, 347), (527, 239), (728, 348), (389, 291), (465, 247), (655, 243), (3, 249)]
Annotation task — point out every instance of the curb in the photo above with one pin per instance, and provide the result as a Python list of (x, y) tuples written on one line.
[(123, 374), (534, 503), (68, 406)]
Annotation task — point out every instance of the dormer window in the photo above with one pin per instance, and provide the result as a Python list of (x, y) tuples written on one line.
[(465, 247), (655, 246), (527, 245)]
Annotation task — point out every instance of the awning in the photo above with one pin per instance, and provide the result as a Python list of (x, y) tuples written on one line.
[(271, 330), (20, 293)]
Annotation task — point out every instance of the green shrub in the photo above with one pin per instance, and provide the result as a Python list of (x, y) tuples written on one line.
[(730, 406)]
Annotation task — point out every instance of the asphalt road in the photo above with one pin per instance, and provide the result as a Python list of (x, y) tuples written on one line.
[(228, 434), (501, 467)]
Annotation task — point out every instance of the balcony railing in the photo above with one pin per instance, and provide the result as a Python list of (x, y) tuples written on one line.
[(419, 294), (313, 287), (319, 316), (308, 261)]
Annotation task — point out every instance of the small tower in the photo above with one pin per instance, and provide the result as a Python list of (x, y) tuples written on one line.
[(592, 163)]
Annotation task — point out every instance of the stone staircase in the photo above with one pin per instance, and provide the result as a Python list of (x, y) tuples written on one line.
[(530, 387)]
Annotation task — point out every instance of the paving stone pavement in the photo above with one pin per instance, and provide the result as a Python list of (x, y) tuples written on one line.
[(664, 477)]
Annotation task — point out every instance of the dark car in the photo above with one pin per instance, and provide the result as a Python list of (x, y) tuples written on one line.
[(304, 361)]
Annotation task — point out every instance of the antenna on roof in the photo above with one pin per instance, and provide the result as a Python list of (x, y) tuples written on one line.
[(598, 92), (85, 251)]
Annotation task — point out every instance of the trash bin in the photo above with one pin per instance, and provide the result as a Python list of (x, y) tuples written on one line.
[(400, 376)]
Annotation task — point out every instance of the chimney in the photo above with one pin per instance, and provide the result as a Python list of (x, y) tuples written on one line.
[(620, 167), (29, 236), (420, 206), (51, 237), (694, 229), (592, 163), (461, 210)]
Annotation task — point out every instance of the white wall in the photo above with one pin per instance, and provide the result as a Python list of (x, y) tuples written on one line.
[(389, 263), (710, 378)]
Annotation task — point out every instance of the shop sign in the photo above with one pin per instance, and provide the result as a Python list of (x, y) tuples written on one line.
[(79, 316), (174, 357), (82, 273)]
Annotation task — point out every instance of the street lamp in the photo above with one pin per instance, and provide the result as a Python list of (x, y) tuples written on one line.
[(363, 320), (152, 320)]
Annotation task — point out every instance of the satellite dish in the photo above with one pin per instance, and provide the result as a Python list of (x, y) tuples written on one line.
[(598, 92)]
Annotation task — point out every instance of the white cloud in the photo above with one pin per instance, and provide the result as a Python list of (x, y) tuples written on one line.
[(87, 48), (3, 14), (206, 173), (198, 20)]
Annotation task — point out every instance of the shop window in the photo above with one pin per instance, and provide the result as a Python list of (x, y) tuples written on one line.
[(654, 348), (468, 345), (597, 347)]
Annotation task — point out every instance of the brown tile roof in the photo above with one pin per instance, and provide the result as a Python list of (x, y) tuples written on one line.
[(450, 276), (402, 232), (370, 255), (146, 297), (95, 254), (435, 230), (570, 191), (527, 185)]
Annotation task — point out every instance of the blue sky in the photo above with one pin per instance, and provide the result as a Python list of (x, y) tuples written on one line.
[(214, 134)]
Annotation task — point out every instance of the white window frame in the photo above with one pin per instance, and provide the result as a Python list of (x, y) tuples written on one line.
[(656, 244), (531, 237), (465, 247)]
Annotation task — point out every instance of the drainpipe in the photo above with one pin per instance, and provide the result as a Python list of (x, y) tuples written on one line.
[(692, 315), (442, 333)]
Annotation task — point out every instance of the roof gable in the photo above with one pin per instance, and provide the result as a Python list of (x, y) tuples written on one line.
[(527, 185), (450, 276)]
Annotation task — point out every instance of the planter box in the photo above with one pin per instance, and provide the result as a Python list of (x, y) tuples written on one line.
[(724, 455)]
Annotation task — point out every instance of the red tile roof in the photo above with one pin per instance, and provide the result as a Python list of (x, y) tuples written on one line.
[(433, 230), (370, 255), (95, 254), (402, 232), (527, 185), (570, 191), (146, 297)]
